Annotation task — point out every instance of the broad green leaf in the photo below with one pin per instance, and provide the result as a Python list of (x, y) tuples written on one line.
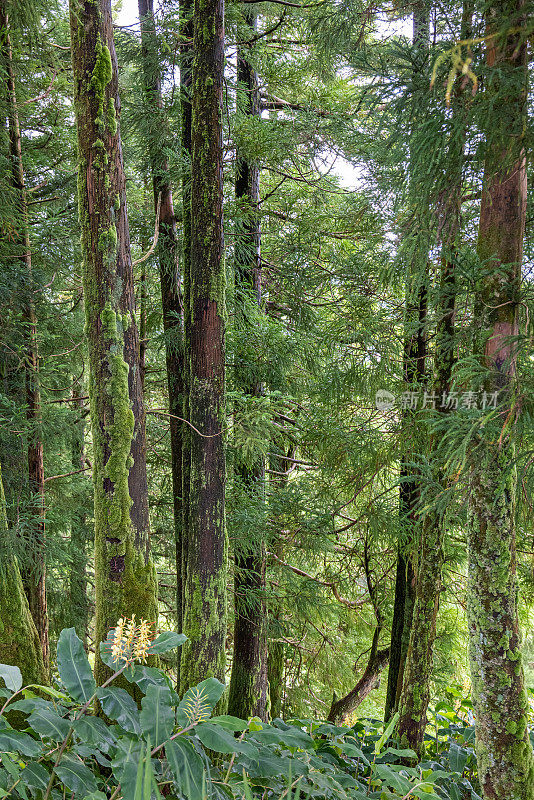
[(220, 741), (126, 762), (94, 731), (168, 640), (387, 733), (16, 741), (352, 750), (118, 705), (35, 775), (291, 736), (157, 714), (12, 677), (145, 676), (73, 666), (47, 723), (457, 757), (230, 723), (393, 779), (76, 776), (199, 701), (188, 769), (105, 653)]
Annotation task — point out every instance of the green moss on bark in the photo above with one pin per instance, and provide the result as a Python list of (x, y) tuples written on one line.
[(19, 640)]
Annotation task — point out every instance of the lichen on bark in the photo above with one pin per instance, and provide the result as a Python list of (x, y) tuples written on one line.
[(124, 572)]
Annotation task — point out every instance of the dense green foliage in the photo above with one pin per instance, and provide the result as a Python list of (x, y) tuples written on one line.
[(178, 748), (372, 406)]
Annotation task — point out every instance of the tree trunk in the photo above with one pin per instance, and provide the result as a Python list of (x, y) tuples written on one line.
[(415, 696), (19, 640), (167, 250), (35, 573), (186, 74), (204, 614), (378, 659), (124, 573), (79, 534), (249, 690), (504, 752), (414, 358)]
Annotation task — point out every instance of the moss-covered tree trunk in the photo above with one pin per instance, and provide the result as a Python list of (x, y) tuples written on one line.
[(504, 751), (79, 530), (171, 293), (34, 571), (204, 612), (186, 74), (249, 691), (415, 695), (124, 573), (414, 358), (19, 640)]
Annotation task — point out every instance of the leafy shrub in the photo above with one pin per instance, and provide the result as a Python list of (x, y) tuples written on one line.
[(177, 748)]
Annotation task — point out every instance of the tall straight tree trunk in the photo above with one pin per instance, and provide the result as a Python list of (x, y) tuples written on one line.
[(19, 640), (124, 573), (171, 295), (504, 752), (79, 602), (204, 612), (249, 691), (35, 573), (414, 358), (415, 696), (276, 661), (186, 74)]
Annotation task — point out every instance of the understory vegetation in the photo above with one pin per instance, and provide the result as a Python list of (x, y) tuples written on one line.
[(266, 399)]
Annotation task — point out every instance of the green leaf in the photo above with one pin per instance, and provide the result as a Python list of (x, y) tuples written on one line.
[(73, 666), (47, 723), (12, 677), (457, 758), (392, 778), (168, 640), (199, 701), (16, 741), (118, 705), (230, 723), (352, 750), (216, 738), (145, 676), (290, 736), (94, 731), (157, 714), (76, 776), (126, 762), (387, 733), (190, 775), (35, 776)]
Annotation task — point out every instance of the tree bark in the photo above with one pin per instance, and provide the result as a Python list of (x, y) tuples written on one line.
[(203, 655), (186, 74), (415, 695), (342, 708), (34, 574), (20, 644), (249, 690), (504, 752), (414, 358), (124, 572), (167, 251), (79, 533)]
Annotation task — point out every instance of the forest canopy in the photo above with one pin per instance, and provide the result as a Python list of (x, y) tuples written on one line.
[(266, 400)]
